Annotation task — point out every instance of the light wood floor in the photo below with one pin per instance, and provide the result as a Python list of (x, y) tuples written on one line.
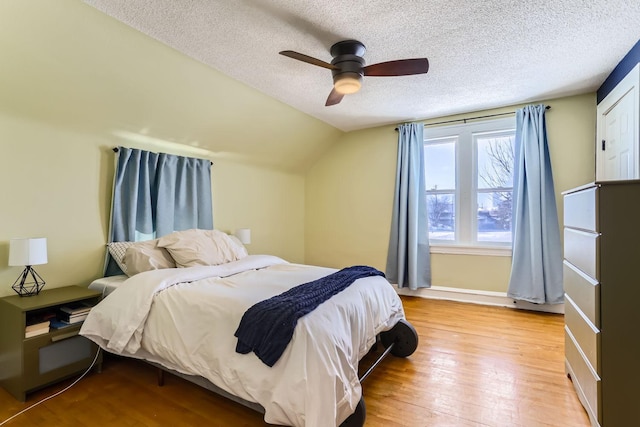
[(475, 366)]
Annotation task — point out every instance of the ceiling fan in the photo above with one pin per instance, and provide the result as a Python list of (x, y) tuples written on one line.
[(348, 67)]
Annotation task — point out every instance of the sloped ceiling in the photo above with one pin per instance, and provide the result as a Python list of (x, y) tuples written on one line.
[(483, 54), (68, 66)]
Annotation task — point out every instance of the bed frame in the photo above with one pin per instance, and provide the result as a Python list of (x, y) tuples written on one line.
[(400, 341)]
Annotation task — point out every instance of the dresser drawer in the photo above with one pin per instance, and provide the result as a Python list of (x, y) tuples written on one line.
[(584, 291), (587, 336), (580, 209), (581, 250), (586, 382)]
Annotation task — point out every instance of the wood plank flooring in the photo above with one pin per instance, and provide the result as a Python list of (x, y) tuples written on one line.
[(475, 366)]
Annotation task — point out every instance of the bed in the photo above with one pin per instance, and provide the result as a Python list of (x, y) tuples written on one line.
[(183, 320)]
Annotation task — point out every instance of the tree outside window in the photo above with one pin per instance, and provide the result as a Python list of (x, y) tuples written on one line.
[(495, 187)]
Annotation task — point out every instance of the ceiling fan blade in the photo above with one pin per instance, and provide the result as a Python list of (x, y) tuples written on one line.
[(400, 67), (334, 98), (308, 59)]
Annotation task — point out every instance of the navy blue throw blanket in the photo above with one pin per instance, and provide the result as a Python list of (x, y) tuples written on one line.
[(267, 327)]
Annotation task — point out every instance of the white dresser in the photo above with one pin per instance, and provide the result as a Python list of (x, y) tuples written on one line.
[(602, 307)]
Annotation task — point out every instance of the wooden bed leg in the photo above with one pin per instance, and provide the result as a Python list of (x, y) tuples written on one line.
[(160, 377)]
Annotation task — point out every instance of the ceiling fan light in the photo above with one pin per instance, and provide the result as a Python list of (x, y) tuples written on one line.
[(347, 83)]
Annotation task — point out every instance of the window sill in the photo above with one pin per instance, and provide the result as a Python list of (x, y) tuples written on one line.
[(471, 250)]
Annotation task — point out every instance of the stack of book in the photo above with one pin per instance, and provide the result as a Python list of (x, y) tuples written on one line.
[(74, 312), (36, 329), (38, 324)]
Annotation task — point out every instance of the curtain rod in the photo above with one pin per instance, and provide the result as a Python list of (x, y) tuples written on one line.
[(115, 150), (475, 118)]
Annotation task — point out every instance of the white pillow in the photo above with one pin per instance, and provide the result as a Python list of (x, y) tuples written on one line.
[(194, 247), (117, 251), (145, 256), (241, 249)]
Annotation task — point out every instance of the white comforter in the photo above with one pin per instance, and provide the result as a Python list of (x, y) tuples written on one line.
[(185, 319)]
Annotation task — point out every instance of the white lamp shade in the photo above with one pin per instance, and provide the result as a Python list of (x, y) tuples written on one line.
[(31, 251), (244, 235)]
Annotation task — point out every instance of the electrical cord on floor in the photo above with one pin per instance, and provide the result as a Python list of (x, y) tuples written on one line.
[(95, 359)]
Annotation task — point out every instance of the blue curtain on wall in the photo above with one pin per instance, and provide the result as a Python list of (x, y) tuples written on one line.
[(408, 259), (156, 194), (536, 271)]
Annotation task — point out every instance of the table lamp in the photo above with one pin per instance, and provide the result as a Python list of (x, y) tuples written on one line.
[(28, 252), (244, 235)]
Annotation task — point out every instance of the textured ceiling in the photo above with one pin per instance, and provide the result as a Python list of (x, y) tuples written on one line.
[(483, 54)]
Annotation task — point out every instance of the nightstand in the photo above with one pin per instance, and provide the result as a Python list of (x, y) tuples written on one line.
[(27, 364)]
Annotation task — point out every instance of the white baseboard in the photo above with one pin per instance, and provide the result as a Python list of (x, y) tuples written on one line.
[(479, 297)]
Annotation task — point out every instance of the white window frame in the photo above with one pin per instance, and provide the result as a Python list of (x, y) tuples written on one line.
[(466, 190)]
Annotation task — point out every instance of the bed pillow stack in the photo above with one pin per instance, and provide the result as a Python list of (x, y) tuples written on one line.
[(179, 249)]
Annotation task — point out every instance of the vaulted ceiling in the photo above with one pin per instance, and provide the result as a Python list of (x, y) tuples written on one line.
[(482, 54)]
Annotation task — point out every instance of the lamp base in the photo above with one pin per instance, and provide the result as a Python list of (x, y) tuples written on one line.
[(25, 288)]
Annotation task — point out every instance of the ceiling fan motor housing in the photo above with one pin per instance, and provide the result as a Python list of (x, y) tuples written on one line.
[(347, 56), (348, 47)]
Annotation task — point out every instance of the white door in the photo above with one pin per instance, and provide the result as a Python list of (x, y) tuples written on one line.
[(617, 143)]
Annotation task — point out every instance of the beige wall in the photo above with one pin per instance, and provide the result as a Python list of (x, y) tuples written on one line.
[(349, 193), (68, 64), (269, 202), (54, 185)]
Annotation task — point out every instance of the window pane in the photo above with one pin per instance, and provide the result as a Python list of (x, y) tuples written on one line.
[(495, 161), (494, 216), (442, 220), (440, 165)]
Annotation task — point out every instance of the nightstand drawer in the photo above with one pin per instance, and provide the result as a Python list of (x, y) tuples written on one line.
[(584, 291), (581, 250), (56, 355), (580, 209), (586, 382)]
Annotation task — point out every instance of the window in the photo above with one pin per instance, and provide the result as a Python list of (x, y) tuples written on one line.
[(469, 182)]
